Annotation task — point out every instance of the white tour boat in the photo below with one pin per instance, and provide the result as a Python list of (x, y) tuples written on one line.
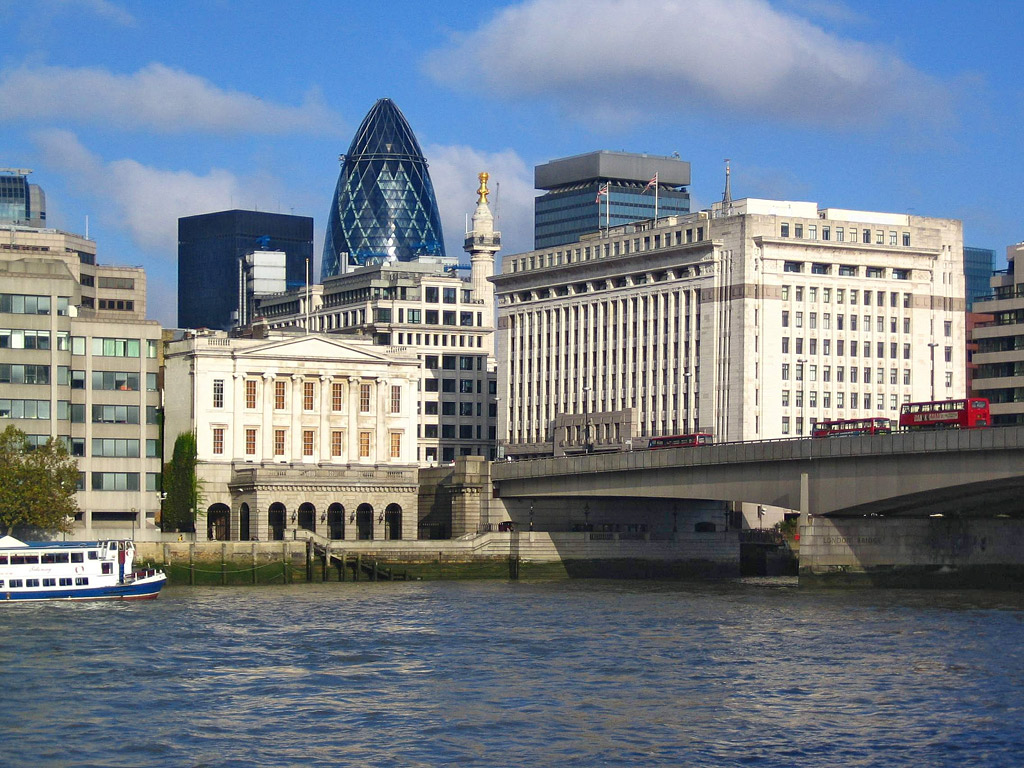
[(74, 570)]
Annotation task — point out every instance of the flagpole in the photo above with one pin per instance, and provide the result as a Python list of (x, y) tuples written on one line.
[(607, 207), (655, 198)]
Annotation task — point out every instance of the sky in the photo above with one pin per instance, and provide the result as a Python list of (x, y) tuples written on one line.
[(133, 114)]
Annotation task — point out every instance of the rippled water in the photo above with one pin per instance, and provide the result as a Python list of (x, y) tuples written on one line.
[(574, 673)]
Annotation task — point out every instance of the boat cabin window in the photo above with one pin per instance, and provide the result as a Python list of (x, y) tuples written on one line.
[(31, 582), (81, 581), (3, 559), (23, 559), (49, 582), (14, 583), (108, 567), (1, 583), (76, 557), (93, 555), (65, 581), (54, 557)]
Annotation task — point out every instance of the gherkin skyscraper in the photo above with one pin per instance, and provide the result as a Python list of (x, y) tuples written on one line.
[(384, 207)]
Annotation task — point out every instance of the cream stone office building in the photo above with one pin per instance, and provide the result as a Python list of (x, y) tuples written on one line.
[(750, 321), (296, 431)]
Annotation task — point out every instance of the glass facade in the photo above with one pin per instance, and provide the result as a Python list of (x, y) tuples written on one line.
[(563, 215), (209, 247), (978, 266), (21, 202), (384, 207)]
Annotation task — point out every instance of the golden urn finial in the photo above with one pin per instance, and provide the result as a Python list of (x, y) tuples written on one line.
[(483, 191)]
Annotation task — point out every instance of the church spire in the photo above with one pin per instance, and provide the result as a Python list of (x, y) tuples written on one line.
[(727, 195)]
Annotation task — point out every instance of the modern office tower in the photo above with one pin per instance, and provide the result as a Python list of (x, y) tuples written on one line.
[(294, 432), (384, 207), (749, 325), (602, 190), (427, 310), (978, 267), (78, 361), (211, 259), (999, 360), (20, 202)]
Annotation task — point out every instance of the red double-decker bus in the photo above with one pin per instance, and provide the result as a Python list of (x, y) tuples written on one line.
[(680, 441), (845, 427), (968, 413)]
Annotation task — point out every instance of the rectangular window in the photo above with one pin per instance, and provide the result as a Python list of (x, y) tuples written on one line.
[(250, 393), (279, 395), (307, 395), (218, 393), (218, 440), (307, 442), (250, 442), (336, 395), (396, 398), (336, 443), (279, 442), (396, 445), (364, 398), (364, 444)]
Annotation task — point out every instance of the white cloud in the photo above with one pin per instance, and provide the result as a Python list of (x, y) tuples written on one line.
[(630, 59), (454, 171), (143, 201), (103, 8), (156, 98)]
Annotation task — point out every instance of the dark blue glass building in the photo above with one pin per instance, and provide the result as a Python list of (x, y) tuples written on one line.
[(384, 207), (978, 266), (209, 248)]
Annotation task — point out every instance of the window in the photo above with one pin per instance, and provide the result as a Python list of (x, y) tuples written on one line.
[(396, 398), (102, 347), (798, 230), (947, 328), (431, 294), (792, 266), (785, 425), (785, 371), (448, 295), (115, 447), (115, 414), (279, 442), (279, 394), (307, 442), (396, 444), (785, 398), (250, 393), (430, 362), (218, 393), (307, 395), (785, 345), (785, 318), (336, 443), (949, 379), (784, 230), (115, 481), (336, 395), (250, 442), (364, 398), (364, 443), (218, 440)]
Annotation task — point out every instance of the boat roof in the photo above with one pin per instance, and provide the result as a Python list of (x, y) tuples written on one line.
[(9, 542)]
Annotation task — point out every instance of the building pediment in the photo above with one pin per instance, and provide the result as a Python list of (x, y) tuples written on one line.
[(318, 347)]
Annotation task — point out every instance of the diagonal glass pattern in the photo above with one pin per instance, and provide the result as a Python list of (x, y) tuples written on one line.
[(384, 206)]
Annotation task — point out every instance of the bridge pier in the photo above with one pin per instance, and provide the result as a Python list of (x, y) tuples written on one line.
[(946, 552)]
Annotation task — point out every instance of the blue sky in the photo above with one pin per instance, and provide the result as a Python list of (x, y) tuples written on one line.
[(136, 113)]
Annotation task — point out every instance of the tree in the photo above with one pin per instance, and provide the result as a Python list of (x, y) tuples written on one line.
[(181, 486), (37, 485)]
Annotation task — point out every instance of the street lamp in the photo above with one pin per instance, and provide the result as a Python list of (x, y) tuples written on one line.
[(931, 354), (587, 445), (803, 377), (689, 402), (531, 514)]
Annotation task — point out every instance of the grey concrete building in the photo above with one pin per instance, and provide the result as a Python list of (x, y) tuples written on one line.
[(78, 361), (999, 359), (752, 322)]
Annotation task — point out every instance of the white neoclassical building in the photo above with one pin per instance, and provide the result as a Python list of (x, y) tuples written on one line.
[(750, 321), (297, 431)]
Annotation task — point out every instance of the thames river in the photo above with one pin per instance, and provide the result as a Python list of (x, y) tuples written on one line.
[(553, 673)]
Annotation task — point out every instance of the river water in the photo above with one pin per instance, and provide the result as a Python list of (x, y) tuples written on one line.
[(559, 673)]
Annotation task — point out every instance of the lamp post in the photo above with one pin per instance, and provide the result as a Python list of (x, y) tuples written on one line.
[(531, 514), (931, 355), (134, 516), (587, 445), (586, 516), (689, 402), (803, 377)]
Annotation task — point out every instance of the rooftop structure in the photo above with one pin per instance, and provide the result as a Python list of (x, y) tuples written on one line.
[(20, 202)]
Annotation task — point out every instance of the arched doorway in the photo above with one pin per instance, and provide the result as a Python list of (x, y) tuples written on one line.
[(393, 522), (218, 522), (243, 522), (307, 517), (336, 521), (276, 521), (364, 522)]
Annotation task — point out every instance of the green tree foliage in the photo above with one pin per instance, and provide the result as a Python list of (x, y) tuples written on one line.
[(37, 485), (181, 486)]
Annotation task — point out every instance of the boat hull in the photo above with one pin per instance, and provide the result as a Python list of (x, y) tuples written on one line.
[(141, 589)]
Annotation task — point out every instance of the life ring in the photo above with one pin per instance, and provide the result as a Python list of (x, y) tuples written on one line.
[(79, 569)]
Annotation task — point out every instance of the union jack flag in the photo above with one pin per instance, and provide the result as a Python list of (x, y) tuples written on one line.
[(602, 190)]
